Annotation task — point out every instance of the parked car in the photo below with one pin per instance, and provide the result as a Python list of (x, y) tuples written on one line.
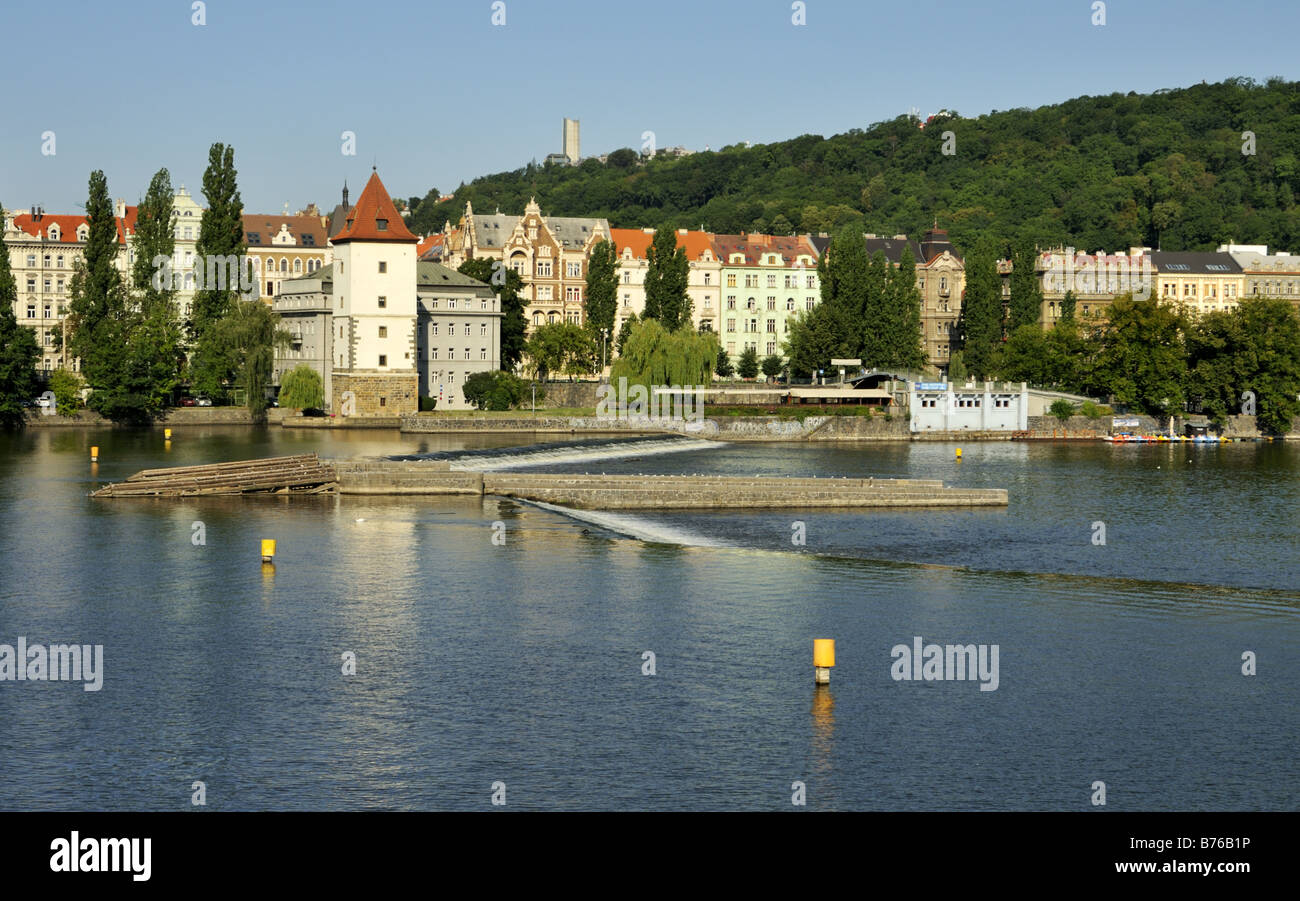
[(43, 402), (188, 402), (204, 401)]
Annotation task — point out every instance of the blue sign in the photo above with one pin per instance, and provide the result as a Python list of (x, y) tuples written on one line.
[(931, 386)]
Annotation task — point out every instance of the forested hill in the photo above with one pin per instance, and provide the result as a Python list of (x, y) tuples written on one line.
[(1161, 170)]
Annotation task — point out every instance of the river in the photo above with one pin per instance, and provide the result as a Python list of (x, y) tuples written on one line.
[(525, 660)]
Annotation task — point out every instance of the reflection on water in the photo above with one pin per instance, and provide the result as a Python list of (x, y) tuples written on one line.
[(521, 661)]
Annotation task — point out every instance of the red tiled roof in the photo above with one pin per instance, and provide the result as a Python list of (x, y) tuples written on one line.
[(639, 240), (68, 225), (790, 247), (428, 244), (375, 206)]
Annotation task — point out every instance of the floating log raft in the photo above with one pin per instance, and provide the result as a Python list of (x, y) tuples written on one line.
[(299, 474)]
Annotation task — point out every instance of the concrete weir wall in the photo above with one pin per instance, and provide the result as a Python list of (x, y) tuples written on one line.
[(618, 492)]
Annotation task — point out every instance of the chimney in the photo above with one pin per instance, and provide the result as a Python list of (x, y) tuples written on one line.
[(121, 209)]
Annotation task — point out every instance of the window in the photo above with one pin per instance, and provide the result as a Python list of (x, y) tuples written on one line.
[(383, 359), (627, 278), (771, 303), (31, 285), (708, 278), (381, 225), (60, 261), (383, 266), (731, 325), (789, 303), (482, 330), (482, 353), (574, 270), (433, 353), (731, 301), (451, 303), (31, 261), (284, 264), (482, 304), (751, 304), (467, 330), (31, 311), (771, 348), (297, 266), (383, 331), (467, 353), (751, 281), (189, 232), (434, 329), (543, 268), (731, 280), (771, 281), (383, 303), (771, 326), (572, 294)]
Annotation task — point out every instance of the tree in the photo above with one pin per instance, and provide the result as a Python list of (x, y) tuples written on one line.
[(1026, 290), (19, 351), (851, 295), (1254, 348), (301, 388), (957, 368), (653, 356), (981, 314), (813, 340), (602, 289), (1142, 360), (561, 347), (220, 242), (154, 340), (101, 321), (747, 368), (248, 336), (67, 391), (494, 390), (723, 367), (665, 281), (1067, 307), (902, 315), (772, 365)]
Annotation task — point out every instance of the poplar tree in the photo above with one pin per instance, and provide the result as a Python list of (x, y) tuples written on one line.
[(844, 271), (981, 315), (221, 235), (904, 309), (155, 335), (602, 289), (665, 281), (1026, 290)]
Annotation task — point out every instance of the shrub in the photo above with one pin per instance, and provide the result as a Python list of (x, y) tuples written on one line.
[(1061, 408), (494, 390), (427, 404)]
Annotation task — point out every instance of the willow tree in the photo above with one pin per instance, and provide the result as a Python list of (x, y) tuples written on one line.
[(655, 356)]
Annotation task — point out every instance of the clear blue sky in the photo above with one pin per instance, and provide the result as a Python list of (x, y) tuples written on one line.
[(438, 95)]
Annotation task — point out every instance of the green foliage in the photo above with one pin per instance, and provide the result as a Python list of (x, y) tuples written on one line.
[(772, 365), (602, 289), (67, 391), (747, 368), (494, 390), (723, 366), (247, 337), (957, 367), (1141, 359), (221, 235), (902, 316), (1255, 347), (509, 286), (1061, 408), (1026, 288), (1094, 410), (19, 352), (1116, 170), (562, 347), (980, 325), (302, 388), (654, 356), (1067, 307), (667, 270), (812, 340)]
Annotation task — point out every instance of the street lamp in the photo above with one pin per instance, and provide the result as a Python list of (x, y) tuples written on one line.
[(604, 333)]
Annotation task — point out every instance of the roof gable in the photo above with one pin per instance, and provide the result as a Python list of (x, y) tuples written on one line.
[(375, 218)]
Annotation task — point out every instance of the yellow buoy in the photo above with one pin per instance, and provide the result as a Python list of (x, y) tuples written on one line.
[(268, 550), (167, 434), (94, 453), (823, 660), (959, 453)]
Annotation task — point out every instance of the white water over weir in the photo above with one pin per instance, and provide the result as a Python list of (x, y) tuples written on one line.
[(546, 456)]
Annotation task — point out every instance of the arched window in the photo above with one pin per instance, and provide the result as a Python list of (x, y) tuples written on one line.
[(284, 264), (537, 319), (297, 266), (270, 265)]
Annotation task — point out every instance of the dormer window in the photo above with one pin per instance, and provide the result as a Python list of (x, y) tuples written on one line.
[(381, 225), (54, 233), (83, 233)]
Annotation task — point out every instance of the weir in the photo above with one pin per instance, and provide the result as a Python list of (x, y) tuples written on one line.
[(586, 492)]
